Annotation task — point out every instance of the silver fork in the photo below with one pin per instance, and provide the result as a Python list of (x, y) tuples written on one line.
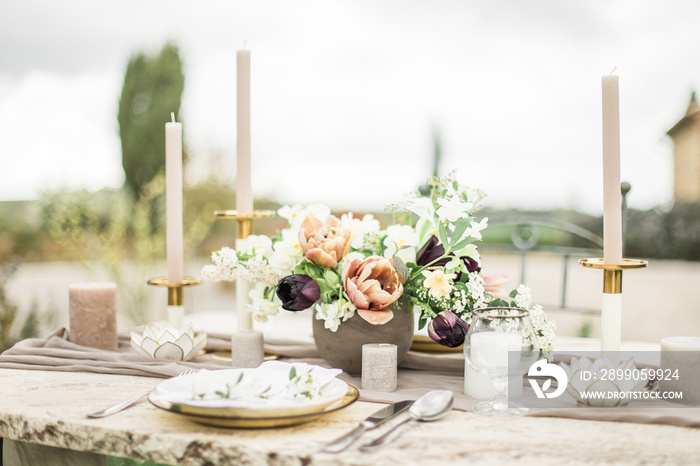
[(126, 403)]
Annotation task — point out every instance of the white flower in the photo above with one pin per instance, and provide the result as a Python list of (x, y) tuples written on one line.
[(474, 229), (297, 214), (523, 298), (261, 307), (397, 237), (333, 315), (359, 228), (285, 257), (453, 209), (258, 245)]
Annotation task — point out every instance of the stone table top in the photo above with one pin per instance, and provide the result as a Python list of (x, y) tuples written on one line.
[(49, 408)]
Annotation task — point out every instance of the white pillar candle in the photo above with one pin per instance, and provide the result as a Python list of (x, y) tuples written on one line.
[(379, 367), (244, 194), (93, 314), (680, 356), (247, 348), (173, 195), (612, 196)]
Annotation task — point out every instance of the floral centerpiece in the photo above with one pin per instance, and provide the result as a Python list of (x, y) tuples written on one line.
[(343, 266)]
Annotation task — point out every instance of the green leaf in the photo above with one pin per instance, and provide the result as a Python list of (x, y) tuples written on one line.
[(463, 244), (401, 268), (513, 293), (442, 235), (461, 226), (292, 373), (498, 302)]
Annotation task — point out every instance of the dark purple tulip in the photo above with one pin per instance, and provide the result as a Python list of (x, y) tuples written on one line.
[(448, 329), (434, 250), (298, 292), (431, 251)]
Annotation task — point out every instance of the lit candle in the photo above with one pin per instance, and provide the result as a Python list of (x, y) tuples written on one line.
[(244, 194), (379, 362), (93, 314), (173, 211), (612, 196)]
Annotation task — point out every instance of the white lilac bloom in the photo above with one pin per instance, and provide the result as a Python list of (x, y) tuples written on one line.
[(397, 237), (453, 209), (261, 307), (256, 269), (523, 297), (474, 229), (258, 245), (359, 227), (544, 328)]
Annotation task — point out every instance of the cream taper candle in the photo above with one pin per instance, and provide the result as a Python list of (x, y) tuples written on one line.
[(612, 195), (244, 193), (173, 196)]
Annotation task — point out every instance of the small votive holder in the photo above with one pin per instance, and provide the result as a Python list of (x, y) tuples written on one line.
[(162, 340), (247, 348), (379, 361), (93, 314), (680, 368)]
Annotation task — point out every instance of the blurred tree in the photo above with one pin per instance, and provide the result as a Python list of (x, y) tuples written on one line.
[(152, 90)]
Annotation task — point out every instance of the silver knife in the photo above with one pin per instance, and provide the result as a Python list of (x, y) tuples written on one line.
[(381, 416)]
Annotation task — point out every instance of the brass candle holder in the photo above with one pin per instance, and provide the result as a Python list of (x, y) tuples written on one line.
[(175, 294), (612, 273), (611, 310), (244, 228)]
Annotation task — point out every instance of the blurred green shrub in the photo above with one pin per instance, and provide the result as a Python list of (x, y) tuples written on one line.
[(114, 235)]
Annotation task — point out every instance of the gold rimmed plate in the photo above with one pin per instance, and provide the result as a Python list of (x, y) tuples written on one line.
[(235, 418), (425, 344)]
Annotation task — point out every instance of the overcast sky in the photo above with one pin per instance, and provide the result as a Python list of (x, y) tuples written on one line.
[(346, 95)]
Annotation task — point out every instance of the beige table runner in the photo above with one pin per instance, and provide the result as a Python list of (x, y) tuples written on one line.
[(418, 373)]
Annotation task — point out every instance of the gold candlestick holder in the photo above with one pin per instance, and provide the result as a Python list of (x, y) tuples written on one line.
[(612, 273), (611, 309), (245, 221), (175, 294)]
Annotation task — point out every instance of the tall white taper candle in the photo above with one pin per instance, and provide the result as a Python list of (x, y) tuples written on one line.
[(611, 312), (173, 211)]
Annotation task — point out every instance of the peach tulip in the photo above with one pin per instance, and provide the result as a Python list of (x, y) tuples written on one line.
[(372, 285), (324, 243)]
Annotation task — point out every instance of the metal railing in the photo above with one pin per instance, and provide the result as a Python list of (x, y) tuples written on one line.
[(525, 235)]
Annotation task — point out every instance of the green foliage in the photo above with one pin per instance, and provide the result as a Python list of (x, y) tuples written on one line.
[(152, 90), (114, 234)]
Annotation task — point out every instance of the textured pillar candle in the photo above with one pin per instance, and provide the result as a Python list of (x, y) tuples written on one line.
[(247, 349), (680, 362), (93, 314), (379, 367)]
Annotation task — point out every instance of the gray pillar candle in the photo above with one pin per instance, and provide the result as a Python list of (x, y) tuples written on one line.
[(680, 365), (247, 348), (93, 314), (379, 367)]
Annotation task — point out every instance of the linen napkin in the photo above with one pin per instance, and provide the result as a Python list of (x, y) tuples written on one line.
[(418, 373)]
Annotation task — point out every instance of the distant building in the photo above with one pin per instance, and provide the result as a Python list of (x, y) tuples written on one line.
[(686, 154)]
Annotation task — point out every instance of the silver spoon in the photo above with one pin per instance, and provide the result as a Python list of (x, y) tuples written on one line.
[(429, 407)]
